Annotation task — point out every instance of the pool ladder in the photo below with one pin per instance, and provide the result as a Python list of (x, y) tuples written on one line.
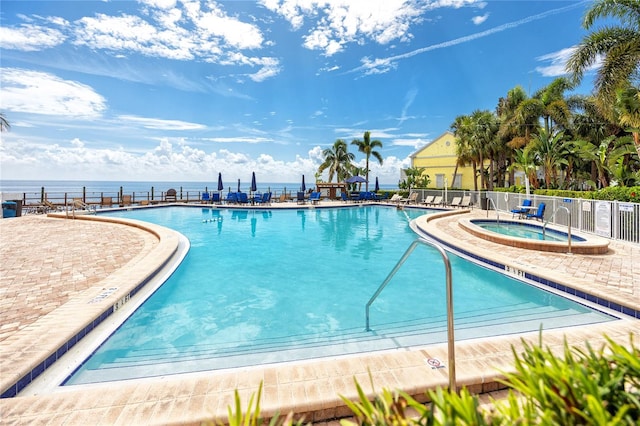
[(544, 227), (450, 338), (494, 208)]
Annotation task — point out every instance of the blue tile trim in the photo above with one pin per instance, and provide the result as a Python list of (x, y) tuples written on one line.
[(635, 313)]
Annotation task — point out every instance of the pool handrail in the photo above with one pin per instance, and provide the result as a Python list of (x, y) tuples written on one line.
[(494, 208), (544, 226), (451, 355)]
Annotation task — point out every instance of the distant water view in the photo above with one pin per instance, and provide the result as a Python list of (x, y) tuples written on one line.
[(74, 187)]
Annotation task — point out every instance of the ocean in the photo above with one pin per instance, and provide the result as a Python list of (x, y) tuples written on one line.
[(68, 189)]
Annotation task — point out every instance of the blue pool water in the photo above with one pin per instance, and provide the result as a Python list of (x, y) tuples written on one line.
[(524, 230), (268, 286)]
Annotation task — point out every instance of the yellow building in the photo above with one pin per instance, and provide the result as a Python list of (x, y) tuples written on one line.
[(439, 158)]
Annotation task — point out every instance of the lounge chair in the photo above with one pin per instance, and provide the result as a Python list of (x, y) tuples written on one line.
[(455, 202), (243, 198), (437, 201), (395, 198), (126, 200), (466, 202), (300, 198), (206, 198), (106, 201), (232, 198), (283, 198), (171, 196), (523, 210), (264, 199), (215, 198), (344, 197), (428, 200), (315, 197), (539, 214)]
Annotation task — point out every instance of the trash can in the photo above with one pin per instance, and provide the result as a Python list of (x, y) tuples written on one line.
[(484, 205), (9, 209), (18, 207)]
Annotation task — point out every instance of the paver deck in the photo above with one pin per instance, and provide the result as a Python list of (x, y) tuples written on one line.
[(51, 267)]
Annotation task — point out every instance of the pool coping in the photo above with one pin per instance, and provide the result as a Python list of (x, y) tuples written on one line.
[(307, 387)]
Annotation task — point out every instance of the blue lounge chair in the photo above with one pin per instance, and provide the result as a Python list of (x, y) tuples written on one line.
[(539, 215), (232, 198), (206, 198), (264, 199), (314, 197), (300, 198), (344, 197), (522, 211), (243, 198), (215, 198)]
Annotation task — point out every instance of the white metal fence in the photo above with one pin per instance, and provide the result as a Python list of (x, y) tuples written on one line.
[(611, 219)]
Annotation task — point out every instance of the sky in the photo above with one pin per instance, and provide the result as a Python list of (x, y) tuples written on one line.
[(180, 90)]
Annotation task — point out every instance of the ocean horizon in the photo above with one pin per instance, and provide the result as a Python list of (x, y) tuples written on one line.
[(71, 187)]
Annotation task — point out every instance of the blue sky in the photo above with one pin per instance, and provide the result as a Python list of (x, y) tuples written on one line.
[(181, 90)]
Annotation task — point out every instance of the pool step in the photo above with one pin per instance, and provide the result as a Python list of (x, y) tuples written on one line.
[(418, 332)]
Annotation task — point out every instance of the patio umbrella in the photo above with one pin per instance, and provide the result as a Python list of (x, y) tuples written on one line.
[(238, 185), (377, 187), (356, 179), (253, 188), (220, 185), (303, 187)]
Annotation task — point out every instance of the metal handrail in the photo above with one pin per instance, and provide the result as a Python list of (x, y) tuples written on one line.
[(494, 208), (450, 335), (544, 226)]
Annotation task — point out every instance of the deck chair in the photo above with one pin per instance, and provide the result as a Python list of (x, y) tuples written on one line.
[(521, 212), (539, 214), (411, 199), (206, 198), (232, 198), (126, 200), (437, 201), (300, 198), (466, 202), (455, 202), (283, 198), (243, 198), (315, 197), (106, 201), (395, 198), (428, 200), (171, 196), (215, 198)]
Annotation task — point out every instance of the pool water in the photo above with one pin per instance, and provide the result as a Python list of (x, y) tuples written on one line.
[(279, 285), (524, 230)]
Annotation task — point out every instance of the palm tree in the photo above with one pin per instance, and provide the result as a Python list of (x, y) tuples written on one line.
[(367, 147), (462, 128), (524, 160), (4, 124), (337, 159), (617, 46), (484, 132), (627, 109), (549, 149)]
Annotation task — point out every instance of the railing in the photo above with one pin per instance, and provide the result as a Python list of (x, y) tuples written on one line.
[(490, 200), (450, 334), (544, 227), (615, 220)]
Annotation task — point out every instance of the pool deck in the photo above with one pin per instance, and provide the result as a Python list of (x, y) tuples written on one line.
[(57, 275)]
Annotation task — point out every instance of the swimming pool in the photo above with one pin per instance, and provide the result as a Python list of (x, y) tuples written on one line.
[(264, 286)]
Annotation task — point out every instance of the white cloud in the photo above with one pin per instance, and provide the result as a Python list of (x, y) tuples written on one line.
[(29, 37), (480, 19), (43, 93), (558, 62), (159, 124), (381, 65)]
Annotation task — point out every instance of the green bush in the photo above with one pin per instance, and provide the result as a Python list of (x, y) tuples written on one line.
[(584, 387)]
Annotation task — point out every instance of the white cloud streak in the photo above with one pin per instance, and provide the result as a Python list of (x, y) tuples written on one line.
[(383, 65)]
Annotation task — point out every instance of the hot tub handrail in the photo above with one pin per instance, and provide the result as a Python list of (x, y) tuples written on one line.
[(494, 208), (449, 283), (544, 226)]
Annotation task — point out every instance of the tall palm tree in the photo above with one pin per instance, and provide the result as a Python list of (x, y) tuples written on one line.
[(617, 46), (367, 147), (462, 128), (627, 109), (4, 124), (484, 132), (337, 159)]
